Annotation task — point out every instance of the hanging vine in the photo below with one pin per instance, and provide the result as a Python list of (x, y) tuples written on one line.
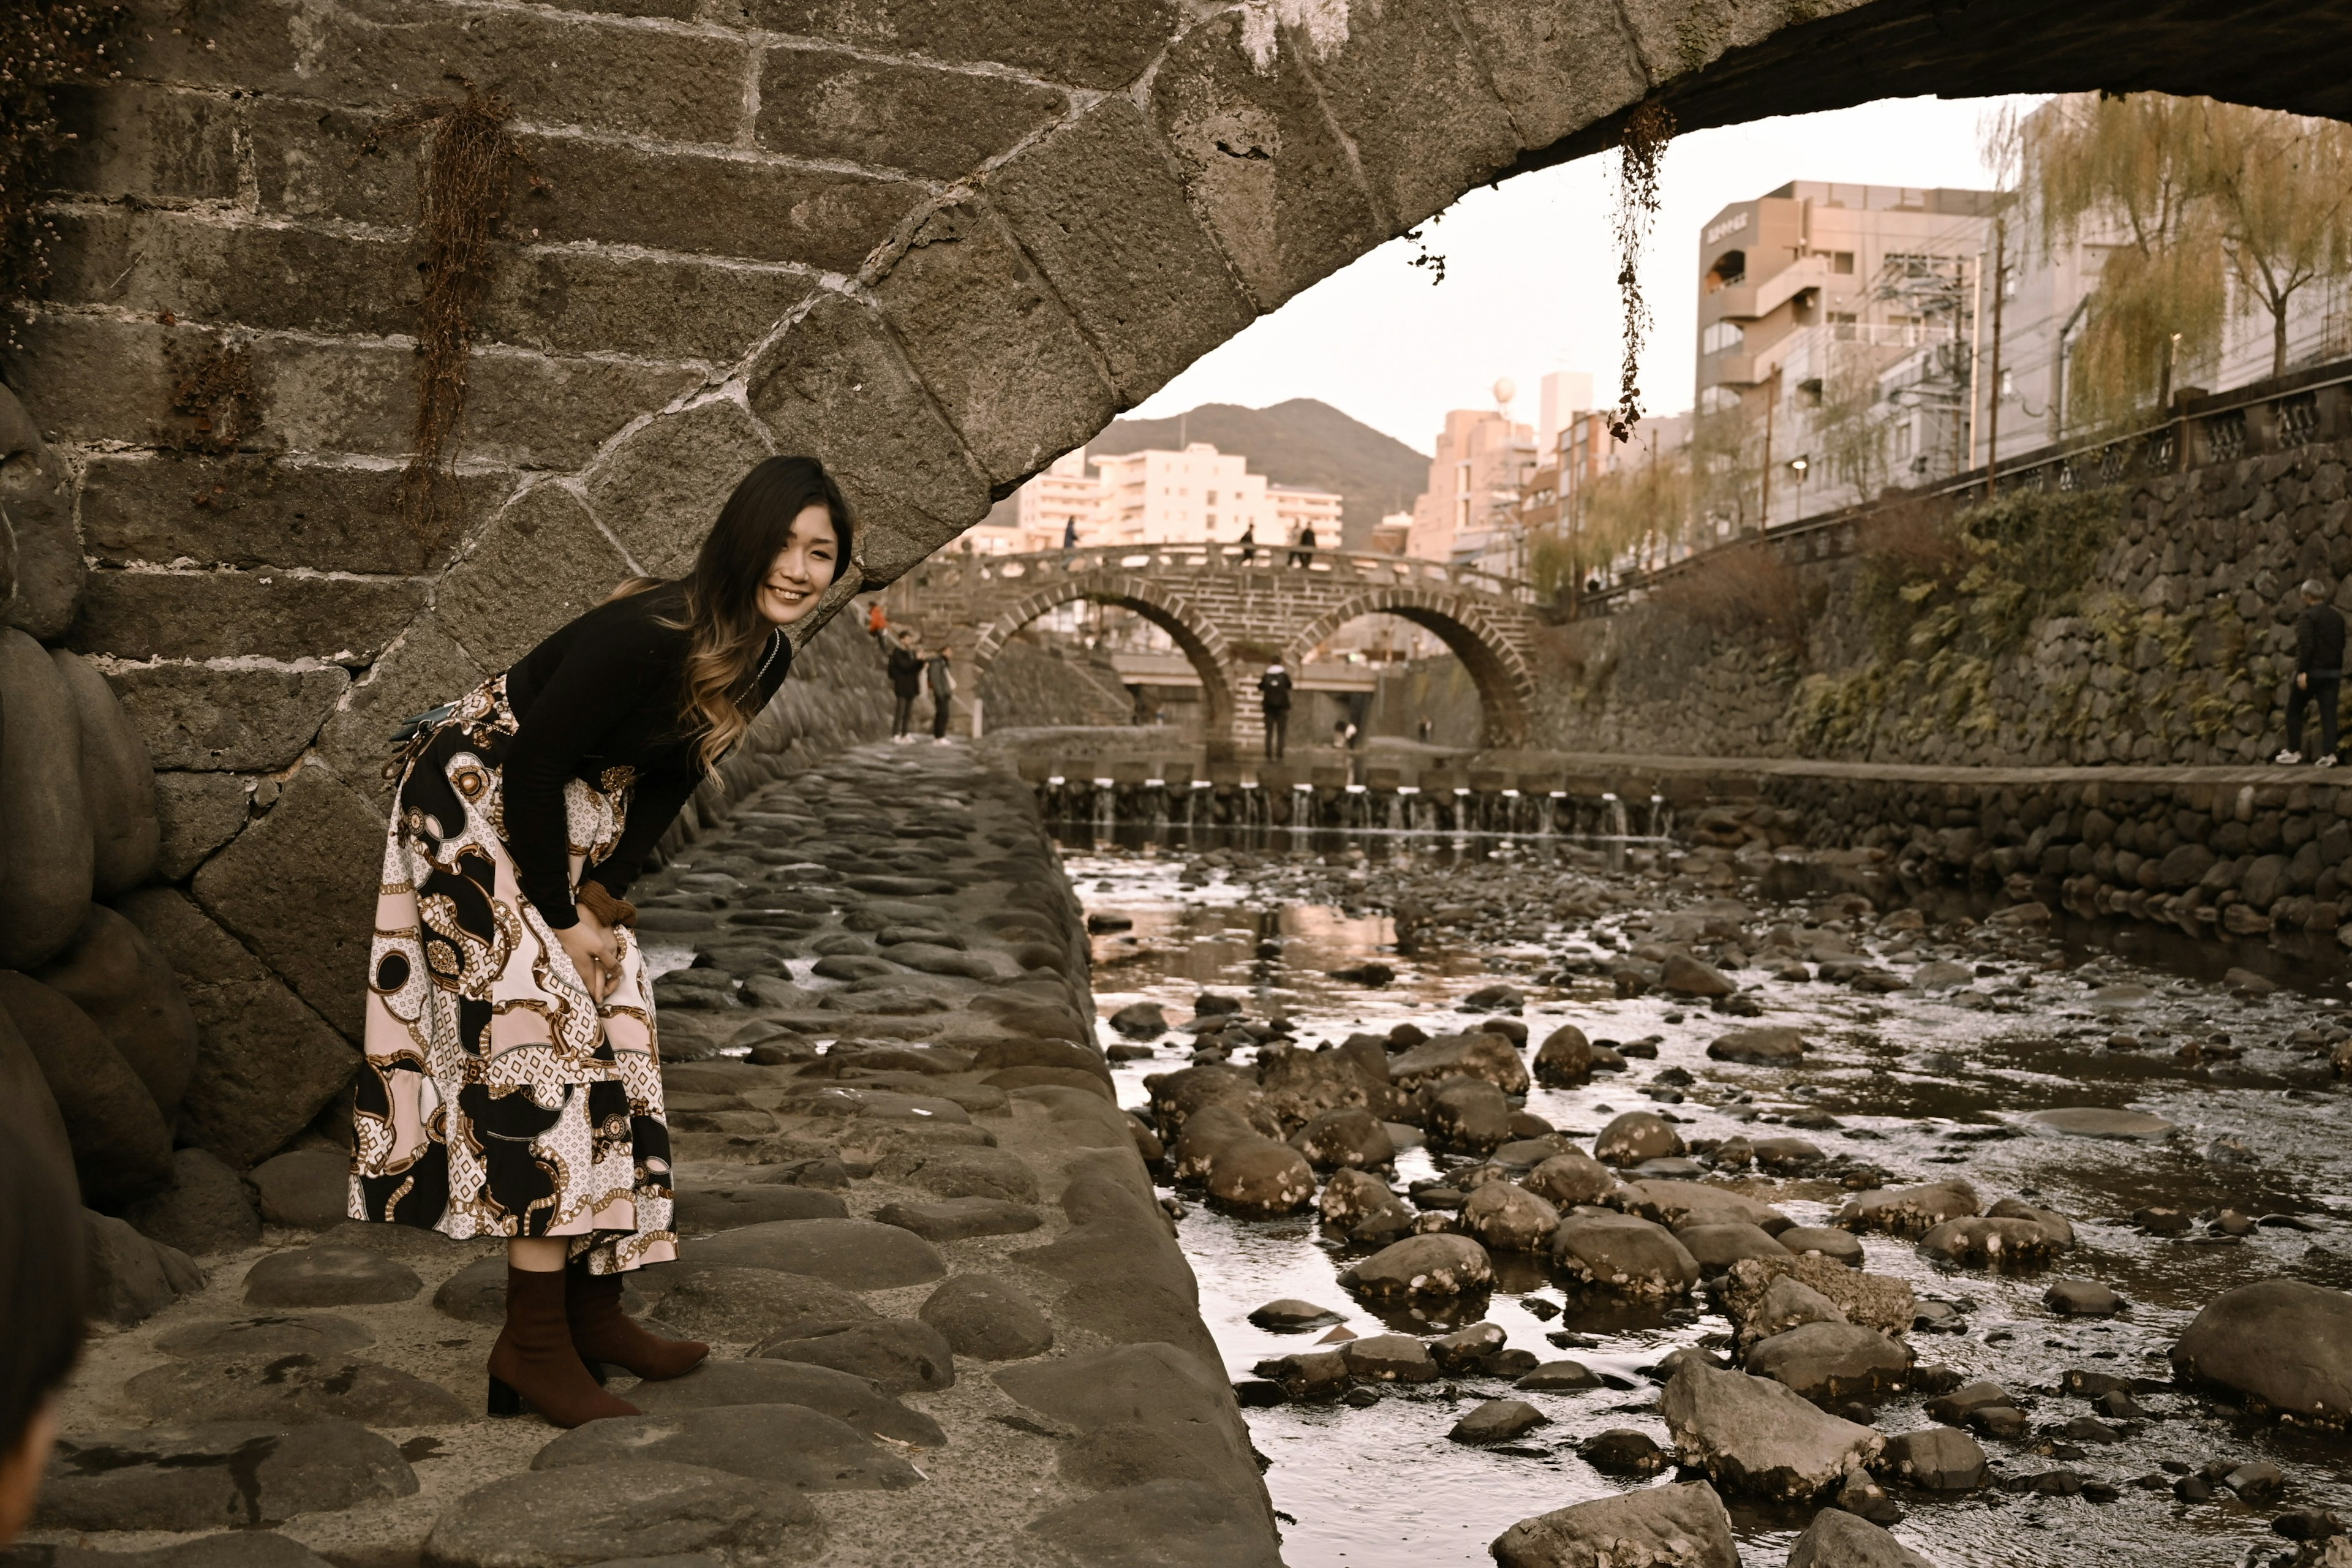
[(1642, 149), (460, 200), (44, 44)]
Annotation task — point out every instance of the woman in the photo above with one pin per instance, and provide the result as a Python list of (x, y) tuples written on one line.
[(44, 1303), (941, 678), (513, 1085)]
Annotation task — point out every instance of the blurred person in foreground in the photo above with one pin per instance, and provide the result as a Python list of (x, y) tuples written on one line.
[(43, 1304)]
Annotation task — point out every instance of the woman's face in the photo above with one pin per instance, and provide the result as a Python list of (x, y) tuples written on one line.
[(802, 570)]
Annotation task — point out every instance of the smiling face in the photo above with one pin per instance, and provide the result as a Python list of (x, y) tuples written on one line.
[(802, 570)]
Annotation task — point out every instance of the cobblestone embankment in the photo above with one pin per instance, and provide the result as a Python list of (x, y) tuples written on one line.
[(952, 1324)]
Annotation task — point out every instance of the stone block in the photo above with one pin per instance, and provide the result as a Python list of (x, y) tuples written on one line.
[(422, 670), (118, 783), (196, 813), (294, 279), (1097, 206), (121, 1143), (309, 163), (1417, 105), (94, 378), (820, 103), (833, 387), (126, 988), (1104, 46), (264, 1063), (42, 553), (1007, 365), (205, 717), (133, 139), (44, 835), (541, 562), (250, 510), (660, 489), (645, 1510), (271, 613), (721, 204), (658, 308), (299, 887), (216, 1475), (205, 1210), (1557, 69), (131, 1277)]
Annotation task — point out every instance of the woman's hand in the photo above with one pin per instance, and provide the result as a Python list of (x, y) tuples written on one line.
[(594, 952)]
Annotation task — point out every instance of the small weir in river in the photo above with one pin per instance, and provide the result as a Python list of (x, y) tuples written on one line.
[(1921, 1086)]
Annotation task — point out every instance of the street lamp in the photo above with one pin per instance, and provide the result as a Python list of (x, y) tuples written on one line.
[(1798, 464)]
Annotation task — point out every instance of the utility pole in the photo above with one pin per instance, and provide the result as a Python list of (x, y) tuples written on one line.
[(1975, 356), (1992, 412), (1772, 397)]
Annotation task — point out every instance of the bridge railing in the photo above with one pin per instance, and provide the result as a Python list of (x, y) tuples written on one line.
[(1047, 567)]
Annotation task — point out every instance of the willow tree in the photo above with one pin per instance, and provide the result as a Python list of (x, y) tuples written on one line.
[(2131, 174), (2281, 187)]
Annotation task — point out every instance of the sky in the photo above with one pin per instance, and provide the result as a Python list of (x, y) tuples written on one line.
[(1530, 276)]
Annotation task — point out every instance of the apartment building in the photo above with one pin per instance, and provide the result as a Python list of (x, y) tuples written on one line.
[(1198, 495), (1483, 461)]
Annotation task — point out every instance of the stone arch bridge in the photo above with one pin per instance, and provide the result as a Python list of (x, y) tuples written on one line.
[(1231, 611)]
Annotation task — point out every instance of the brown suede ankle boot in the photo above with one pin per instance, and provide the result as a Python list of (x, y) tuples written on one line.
[(601, 1332), (533, 1362)]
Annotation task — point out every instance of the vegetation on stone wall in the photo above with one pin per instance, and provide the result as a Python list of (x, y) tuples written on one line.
[(44, 44)]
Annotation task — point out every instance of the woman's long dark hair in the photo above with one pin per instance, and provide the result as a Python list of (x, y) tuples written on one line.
[(728, 636)]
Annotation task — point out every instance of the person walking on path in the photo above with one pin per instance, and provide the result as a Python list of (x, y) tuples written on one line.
[(941, 679), (512, 1079), (2319, 674), (1248, 542), (906, 672), (1274, 692)]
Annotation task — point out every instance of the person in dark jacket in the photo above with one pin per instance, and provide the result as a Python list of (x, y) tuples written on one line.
[(941, 678), (906, 671), (2319, 674), (1274, 692)]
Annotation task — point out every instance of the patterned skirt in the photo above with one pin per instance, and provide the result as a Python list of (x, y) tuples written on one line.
[(499, 1099)]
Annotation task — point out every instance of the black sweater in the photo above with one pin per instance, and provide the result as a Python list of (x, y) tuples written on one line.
[(606, 691), (2319, 642)]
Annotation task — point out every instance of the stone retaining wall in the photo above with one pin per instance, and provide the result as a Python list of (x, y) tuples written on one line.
[(952, 1324)]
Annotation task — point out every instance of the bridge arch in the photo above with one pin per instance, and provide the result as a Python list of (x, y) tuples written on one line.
[(1496, 666), (1203, 645)]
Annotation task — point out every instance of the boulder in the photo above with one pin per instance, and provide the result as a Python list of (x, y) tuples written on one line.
[(901, 1356), (121, 1143), (1466, 1113), (216, 1475), (298, 1386), (313, 1334), (1481, 1055), (131, 1277), (1143, 1413), (954, 1219), (1206, 1133), (1565, 1059), (1678, 1204), (1682, 976), (2081, 1298), (732, 1305), (1423, 1265), (123, 985), (23, 1088), (1568, 1180), (328, 1275), (1752, 1435), (47, 857), (1826, 1361), (1838, 1246), (1776, 1046), (1717, 1247), (1289, 1315), (1980, 1239), (1259, 1176), (1348, 1136), (1509, 1218), (1469, 1349), (1636, 1136), (1908, 1211), (2094, 1122), (981, 1316), (1678, 1526), (308, 1189), (611, 1512), (1163, 1523), (205, 1210), (703, 1213), (1140, 1021), (2279, 1345), (1936, 1459), (118, 783), (1623, 1451), (1350, 1197), (843, 1395), (1837, 1539), (1389, 1358), (1623, 1255), (789, 1447), (1498, 1421), (854, 1254), (1761, 1296), (2061, 1229)]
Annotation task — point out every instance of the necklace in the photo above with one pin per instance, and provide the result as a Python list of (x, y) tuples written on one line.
[(775, 646)]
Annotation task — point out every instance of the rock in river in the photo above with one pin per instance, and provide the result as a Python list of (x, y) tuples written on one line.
[(1936, 1459), (2282, 1345), (1350, 1197), (1832, 1360), (1509, 1218), (1620, 1253), (1908, 1211), (1258, 1176), (1426, 1265), (1680, 1526), (1775, 1046), (1681, 976), (1498, 1421), (1837, 1539), (2088, 1121), (1348, 1136), (1565, 1059), (1719, 1246), (1989, 1242), (1636, 1136), (1490, 1056), (1568, 1179), (1752, 1435), (1467, 1114)]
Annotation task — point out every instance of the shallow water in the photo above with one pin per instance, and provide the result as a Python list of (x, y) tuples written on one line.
[(1382, 1486)]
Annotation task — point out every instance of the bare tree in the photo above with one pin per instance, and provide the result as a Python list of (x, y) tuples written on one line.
[(2283, 187)]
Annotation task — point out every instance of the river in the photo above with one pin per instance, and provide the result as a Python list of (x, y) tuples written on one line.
[(1925, 1088)]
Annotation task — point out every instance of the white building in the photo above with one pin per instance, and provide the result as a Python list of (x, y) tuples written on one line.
[(1197, 496)]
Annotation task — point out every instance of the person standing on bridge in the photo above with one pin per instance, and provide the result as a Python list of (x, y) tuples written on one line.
[(1305, 555), (941, 679), (906, 672), (1273, 693), (512, 1084), (2319, 674), (1248, 542)]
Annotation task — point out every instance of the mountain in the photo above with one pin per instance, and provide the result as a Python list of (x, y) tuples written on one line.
[(1301, 442)]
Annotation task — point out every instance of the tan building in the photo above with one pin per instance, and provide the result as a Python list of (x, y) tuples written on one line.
[(1483, 461), (1198, 495), (1296, 508)]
